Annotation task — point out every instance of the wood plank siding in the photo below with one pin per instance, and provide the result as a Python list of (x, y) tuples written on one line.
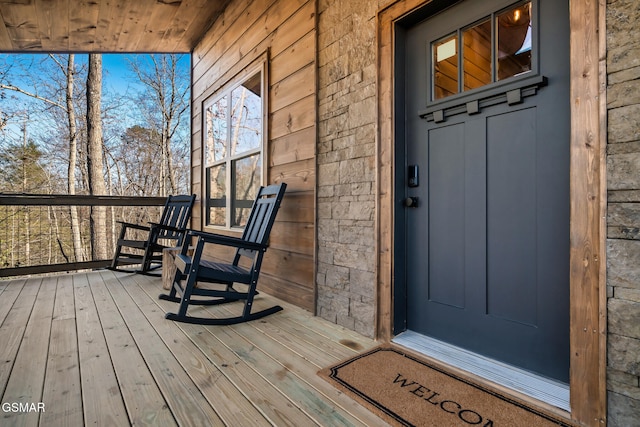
[(282, 33), (105, 25), (95, 349)]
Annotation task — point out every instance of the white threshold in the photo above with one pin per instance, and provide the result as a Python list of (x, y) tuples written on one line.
[(544, 389)]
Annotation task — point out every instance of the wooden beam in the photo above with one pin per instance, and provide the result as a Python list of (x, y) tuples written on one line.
[(5, 38), (83, 25), (53, 24), (134, 25), (588, 301), (21, 23), (53, 268), (76, 200), (110, 23)]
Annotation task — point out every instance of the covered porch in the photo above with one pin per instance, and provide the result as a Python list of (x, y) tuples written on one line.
[(94, 348)]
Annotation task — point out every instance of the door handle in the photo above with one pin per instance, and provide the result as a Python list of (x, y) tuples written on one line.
[(410, 202)]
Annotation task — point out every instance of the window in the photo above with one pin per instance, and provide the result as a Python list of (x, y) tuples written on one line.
[(493, 49), (233, 151)]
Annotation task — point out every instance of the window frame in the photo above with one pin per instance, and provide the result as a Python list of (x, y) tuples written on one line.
[(260, 67), (463, 96)]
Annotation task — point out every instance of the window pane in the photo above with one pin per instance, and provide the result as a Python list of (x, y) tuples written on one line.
[(514, 41), (217, 195), (248, 176), (216, 138), (445, 67), (476, 55), (246, 116)]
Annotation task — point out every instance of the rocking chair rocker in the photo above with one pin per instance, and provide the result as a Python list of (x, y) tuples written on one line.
[(172, 227), (252, 246)]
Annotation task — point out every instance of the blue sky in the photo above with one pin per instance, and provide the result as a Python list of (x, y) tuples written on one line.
[(118, 81), (115, 71)]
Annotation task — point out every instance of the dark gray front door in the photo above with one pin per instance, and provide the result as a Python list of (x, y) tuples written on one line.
[(486, 246)]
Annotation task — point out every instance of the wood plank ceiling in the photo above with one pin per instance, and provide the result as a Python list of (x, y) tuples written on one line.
[(116, 26)]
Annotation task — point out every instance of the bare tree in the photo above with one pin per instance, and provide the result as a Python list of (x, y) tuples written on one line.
[(73, 156), (75, 144), (68, 109), (165, 102), (95, 160)]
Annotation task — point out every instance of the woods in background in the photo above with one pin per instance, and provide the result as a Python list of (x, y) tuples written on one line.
[(63, 132)]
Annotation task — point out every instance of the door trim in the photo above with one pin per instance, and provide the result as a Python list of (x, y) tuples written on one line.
[(587, 194)]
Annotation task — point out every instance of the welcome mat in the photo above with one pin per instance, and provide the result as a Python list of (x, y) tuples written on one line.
[(407, 391)]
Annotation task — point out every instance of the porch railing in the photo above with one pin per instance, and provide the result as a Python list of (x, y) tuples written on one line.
[(51, 233)]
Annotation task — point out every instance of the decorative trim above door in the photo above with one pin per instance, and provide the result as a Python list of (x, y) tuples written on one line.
[(510, 94)]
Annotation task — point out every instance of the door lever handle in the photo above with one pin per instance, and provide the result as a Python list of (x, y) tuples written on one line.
[(410, 202)]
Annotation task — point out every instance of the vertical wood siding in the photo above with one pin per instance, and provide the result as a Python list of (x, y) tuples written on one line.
[(284, 32)]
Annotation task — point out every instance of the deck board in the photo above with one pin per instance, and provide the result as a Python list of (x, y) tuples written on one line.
[(8, 296), (276, 407), (101, 400), (182, 395), (212, 385), (32, 355), (62, 390), (96, 349), (142, 397), (12, 332)]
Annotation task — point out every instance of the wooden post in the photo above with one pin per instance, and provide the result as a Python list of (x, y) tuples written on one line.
[(169, 265)]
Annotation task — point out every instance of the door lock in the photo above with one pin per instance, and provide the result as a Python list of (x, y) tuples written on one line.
[(413, 179), (410, 202)]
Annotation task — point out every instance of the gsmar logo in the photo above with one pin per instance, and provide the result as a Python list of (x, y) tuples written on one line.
[(22, 407)]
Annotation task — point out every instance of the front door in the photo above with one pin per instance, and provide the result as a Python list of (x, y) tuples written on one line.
[(485, 173)]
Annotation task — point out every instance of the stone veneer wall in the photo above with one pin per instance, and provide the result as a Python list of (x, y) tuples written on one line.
[(347, 163), (623, 216)]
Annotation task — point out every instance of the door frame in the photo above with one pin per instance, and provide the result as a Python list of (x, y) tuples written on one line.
[(587, 195)]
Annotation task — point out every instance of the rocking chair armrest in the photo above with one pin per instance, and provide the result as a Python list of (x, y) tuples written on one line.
[(167, 227), (220, 239), (132, 225)]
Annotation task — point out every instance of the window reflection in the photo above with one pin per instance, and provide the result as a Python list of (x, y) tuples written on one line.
[(496, 48), (216, 120), (476, 54), (217, 192), (248, 178), (246, 116), (445, 68), (233, 152), (514, 41)]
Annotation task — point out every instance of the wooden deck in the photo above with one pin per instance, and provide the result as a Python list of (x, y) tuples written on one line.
[(95, 349)]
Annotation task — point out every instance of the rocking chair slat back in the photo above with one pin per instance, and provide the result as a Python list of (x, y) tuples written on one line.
[(171, 228), (176, 213), (260, 220), (191, 269)]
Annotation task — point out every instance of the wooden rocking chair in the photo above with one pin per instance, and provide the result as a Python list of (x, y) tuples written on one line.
[(172, 227), (251, 247)]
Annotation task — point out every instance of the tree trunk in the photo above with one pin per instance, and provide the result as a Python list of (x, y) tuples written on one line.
[(73, 159), (167, 128), (98, 219), (27, 222), (169, 157)]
